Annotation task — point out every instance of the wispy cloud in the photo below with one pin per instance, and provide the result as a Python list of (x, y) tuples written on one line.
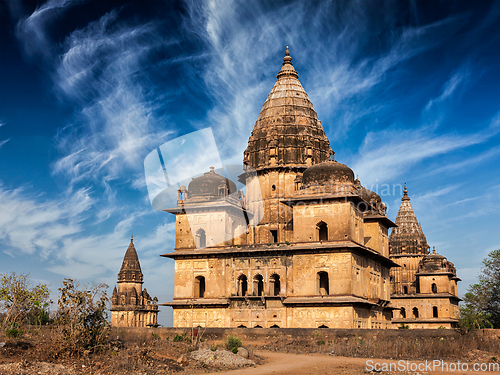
[(30, 223), (117, 124), (386, 154), (457, 80), (241, 63), (33, 31)]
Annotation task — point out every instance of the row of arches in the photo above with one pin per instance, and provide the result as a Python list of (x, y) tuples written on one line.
[(434, 289), (322, 285), (415, 313), (321, 235), (321, 232), (258, 285), (258, 326)]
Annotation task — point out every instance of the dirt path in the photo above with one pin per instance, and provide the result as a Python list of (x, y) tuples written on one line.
[(321, 364)]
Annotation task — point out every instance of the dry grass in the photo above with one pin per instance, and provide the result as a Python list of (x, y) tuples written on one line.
[(138, 352), (150, 351), (447, 347)]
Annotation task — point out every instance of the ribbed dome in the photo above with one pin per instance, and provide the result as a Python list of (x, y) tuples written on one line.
[(287, 124), (327, 172), (208, 185)]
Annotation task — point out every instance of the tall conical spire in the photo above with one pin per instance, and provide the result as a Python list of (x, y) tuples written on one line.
[(407, 237), (288, 131), (131, 268)]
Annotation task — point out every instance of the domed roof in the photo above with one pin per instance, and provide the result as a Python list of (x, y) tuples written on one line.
[(289, 124), (369, 195), (327, 171), (435, 262), (208, 185)]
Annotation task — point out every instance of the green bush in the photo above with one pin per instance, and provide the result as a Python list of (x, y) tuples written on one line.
[(403, 326), (233, 342), (234, 350), (13, 330), (183, 337)]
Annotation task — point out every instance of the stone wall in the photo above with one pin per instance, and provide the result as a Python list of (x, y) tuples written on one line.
[(260, 335)]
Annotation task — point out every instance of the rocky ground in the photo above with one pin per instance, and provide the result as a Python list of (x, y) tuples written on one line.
[(36, 353)]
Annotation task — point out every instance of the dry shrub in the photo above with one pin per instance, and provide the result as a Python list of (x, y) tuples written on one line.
[(81, 320)]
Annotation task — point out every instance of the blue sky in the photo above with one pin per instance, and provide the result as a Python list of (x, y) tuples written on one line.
[(406, 92)]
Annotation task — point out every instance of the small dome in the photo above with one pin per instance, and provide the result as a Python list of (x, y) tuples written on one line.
[(209, 185), (435, 262), (369, 196), (328, 171)]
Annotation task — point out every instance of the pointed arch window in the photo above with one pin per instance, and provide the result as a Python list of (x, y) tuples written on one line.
[(415, 312), (242, 285), (275, 286), (403, 312), (258, 285), (434, 311), (434, 288)]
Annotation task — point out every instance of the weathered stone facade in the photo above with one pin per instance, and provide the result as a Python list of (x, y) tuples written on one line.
[(424, 287), (132, 306), (319, 255)]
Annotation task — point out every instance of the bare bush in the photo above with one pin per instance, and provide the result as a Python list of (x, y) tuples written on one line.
[(82, 318)]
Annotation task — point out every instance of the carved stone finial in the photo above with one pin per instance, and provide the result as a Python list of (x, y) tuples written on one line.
[(132, 238), (212, 169), (405, 194), (287, 59), (433, 249)]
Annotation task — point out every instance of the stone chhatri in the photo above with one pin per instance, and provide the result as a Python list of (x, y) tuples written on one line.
[(424, 287), (131, 305), (318, 253)]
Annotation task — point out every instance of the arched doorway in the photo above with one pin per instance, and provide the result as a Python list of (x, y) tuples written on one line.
[(434, 311), (415, 312), (322, 231), (275, 286), (199, 287), (242, 285), (434, 288), (258, 285), (323, 283)]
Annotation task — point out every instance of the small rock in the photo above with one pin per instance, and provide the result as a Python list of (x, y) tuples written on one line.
[(183, 361), (242, 352), (2, 344)]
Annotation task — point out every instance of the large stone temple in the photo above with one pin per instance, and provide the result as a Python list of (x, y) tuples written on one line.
[(318, 255), (132, 306), (424, 287)]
